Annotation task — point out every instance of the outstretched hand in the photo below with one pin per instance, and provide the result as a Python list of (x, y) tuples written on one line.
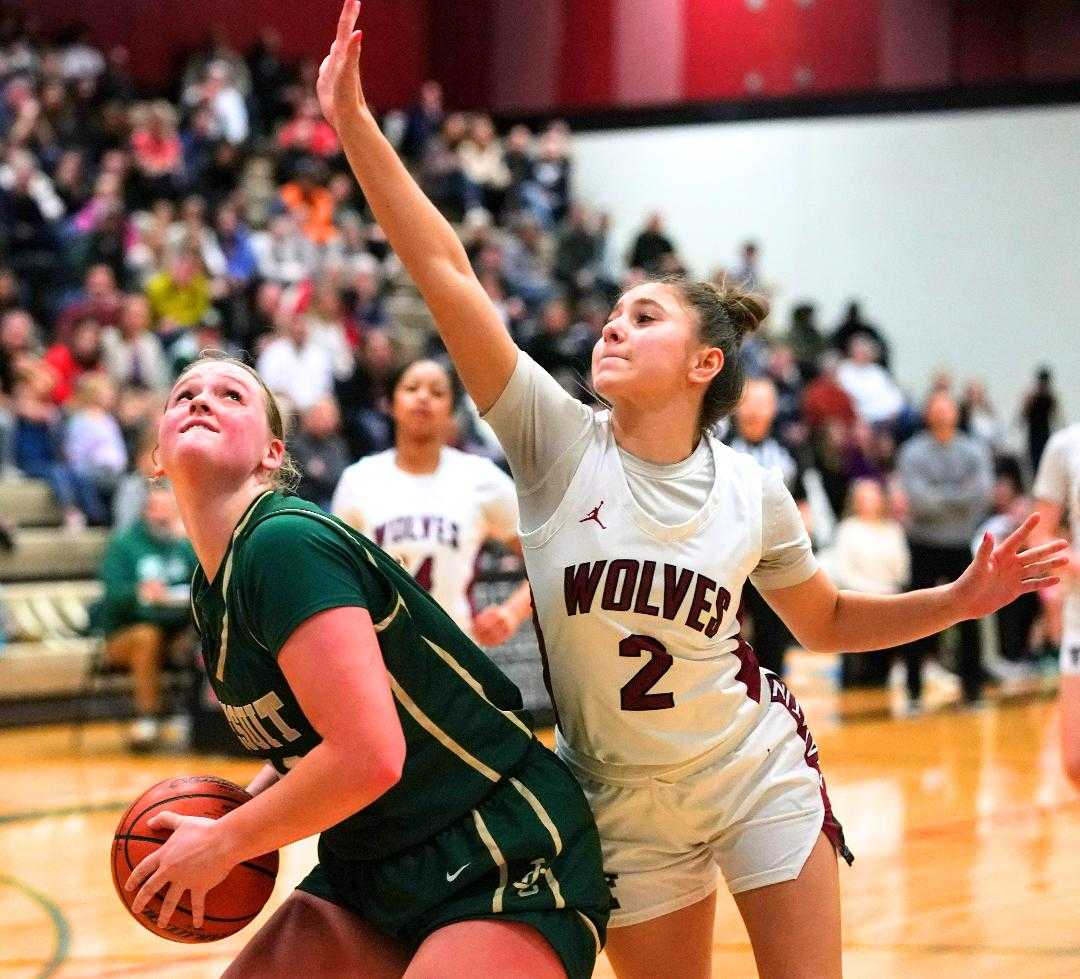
[(338, 85), (1000, 574)]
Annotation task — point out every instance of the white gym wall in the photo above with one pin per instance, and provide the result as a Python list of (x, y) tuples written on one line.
[(958, 231)]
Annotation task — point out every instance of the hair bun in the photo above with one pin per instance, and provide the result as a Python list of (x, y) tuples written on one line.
[(746, 309)]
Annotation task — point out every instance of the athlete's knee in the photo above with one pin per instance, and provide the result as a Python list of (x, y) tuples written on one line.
[(296, 918)]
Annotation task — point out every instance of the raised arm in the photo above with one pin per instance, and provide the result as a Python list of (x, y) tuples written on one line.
[(482, 349)]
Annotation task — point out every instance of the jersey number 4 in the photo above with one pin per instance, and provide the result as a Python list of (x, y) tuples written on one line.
[(635, 692)]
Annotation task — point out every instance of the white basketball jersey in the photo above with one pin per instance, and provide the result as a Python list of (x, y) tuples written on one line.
[(1058, 481), (433, 524), (638, 618)]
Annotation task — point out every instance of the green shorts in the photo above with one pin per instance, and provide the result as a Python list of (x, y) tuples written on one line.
[(529, 852)]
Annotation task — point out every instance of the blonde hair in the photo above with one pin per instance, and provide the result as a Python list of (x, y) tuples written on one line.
[(288, 476)]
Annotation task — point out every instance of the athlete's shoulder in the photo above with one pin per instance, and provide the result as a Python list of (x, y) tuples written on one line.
[(731, 460), (283, 521)]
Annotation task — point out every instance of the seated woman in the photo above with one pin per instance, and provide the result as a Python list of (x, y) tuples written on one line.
[(146, 609)]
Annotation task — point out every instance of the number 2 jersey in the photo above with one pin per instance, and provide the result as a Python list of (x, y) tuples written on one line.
[(637, 571), (434, 524), (462, 718)]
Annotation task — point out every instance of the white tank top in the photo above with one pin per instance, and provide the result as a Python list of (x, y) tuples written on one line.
[(433, 524), (648, 668)]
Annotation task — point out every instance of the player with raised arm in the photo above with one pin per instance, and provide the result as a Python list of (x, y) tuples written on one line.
[(640, 530), (453, 844)]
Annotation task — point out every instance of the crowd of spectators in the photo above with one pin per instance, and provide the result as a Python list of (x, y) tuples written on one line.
[(137, 229)]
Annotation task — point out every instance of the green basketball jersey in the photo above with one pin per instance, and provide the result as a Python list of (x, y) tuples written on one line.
[(462, 717)]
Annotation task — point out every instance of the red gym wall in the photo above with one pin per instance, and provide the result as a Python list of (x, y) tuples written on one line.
[(161, 33), (534, 55), (537, 54)]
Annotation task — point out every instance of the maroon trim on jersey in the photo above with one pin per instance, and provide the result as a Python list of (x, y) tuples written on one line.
[(545, 669), (749, 671), (470, 588), (780, 694)]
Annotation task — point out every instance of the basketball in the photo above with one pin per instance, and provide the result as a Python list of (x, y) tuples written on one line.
[(230, 905)]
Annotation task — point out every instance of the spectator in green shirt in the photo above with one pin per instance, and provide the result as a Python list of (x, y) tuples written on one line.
[(146, 609)]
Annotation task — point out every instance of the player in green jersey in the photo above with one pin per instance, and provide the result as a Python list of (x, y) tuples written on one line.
[(453, 843)]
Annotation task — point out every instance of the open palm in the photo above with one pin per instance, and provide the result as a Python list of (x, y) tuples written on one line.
[(999, 575), (338, 85)]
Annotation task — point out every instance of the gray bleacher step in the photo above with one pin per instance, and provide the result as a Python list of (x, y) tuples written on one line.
[(49, 554), (45, 669), (28, 503), (35, 611)]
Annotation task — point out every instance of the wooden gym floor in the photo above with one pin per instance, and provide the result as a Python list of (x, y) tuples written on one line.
[(966, 834)]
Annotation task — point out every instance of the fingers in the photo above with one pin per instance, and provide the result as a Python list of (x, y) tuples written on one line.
[(350, 10), (168, 906), (147, 891), (1038, 584), (143, 869), (1043, 567), (986, 547), (165, 820), (1043, 551), (1017, 536), (198, 908)]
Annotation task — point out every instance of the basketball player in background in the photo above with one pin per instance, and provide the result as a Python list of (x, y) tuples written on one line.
[(639, 531), (1057, 499), (453, 844), (432, 507)]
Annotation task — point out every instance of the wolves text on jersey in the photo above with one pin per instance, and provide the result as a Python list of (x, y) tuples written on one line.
[(628, 586), (418, 528), (247, 723)]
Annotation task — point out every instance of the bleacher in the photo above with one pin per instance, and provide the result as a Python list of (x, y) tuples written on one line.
[(46, 587)]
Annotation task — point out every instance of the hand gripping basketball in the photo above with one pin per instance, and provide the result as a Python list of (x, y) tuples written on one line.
[(166, 841)]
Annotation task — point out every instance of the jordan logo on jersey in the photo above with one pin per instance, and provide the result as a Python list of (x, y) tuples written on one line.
[(594, 514)]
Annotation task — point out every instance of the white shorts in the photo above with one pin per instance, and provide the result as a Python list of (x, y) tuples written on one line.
[(1070, 653), (754, 810)]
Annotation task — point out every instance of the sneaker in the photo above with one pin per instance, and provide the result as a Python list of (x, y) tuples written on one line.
[(143, 735), (936, 674), (176, 731)]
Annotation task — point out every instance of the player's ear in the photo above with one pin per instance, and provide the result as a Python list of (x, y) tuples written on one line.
[(707, 364), (273, 455)]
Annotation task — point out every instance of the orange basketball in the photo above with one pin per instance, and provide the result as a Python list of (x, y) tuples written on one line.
[(230, 905)]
